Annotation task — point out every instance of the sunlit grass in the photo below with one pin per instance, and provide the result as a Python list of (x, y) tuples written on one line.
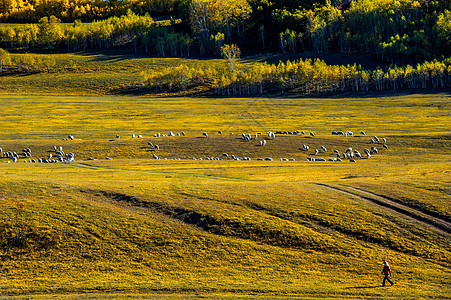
[(180, 229)]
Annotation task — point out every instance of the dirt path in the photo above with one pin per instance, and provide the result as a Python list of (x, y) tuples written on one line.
[(438, 224)]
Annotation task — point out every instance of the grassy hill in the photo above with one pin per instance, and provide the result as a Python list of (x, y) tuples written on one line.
[(136, 227), (91, 73)]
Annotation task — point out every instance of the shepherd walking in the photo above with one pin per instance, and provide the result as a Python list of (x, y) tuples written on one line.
[(386, 271)]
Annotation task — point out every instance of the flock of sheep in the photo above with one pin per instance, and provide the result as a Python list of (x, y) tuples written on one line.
[(58, 155), (54, 156), (349, 153)]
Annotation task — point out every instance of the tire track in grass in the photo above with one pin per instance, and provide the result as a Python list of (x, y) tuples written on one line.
[(438, 224)]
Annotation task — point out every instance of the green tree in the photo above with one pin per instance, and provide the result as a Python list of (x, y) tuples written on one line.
[(5, 59), (50, 32)]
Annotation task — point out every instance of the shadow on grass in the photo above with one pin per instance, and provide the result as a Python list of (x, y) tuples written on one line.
[(363, 287)]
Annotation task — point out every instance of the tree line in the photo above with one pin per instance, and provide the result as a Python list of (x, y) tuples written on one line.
[(26, 63), (300, 76), (141, 32), (398, 31), (31, 11)]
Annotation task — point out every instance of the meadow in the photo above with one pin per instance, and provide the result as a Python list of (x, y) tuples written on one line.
[(186, 226)]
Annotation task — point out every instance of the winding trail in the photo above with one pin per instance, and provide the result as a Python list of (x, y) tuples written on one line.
[(434, 222)]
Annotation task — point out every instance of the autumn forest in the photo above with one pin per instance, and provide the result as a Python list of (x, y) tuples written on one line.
[(410, 38)]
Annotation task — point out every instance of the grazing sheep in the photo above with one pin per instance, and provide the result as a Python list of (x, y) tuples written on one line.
[(225, 155), (316, 151), (368, 155), (150, 144), (376, 139), (133, 136), (204, 134), (385, 146), (384, 140), (219, 131), (374, 149), (154, 156), (268, 158), (157, 147), (70, 137), (183, 133), (312, 134), (302, 132), (118, 136), (323, 148), (362, 132), (352, 160), (14, 159)]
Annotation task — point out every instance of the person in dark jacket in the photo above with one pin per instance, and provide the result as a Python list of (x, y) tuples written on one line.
[(386, 271)]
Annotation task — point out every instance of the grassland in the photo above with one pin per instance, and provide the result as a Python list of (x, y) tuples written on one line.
[(92, 73), (135, 227)]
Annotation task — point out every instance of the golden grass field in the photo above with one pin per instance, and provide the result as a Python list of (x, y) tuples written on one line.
[(134, 227)]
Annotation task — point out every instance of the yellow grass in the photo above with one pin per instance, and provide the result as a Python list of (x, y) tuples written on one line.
[(184, 229)]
